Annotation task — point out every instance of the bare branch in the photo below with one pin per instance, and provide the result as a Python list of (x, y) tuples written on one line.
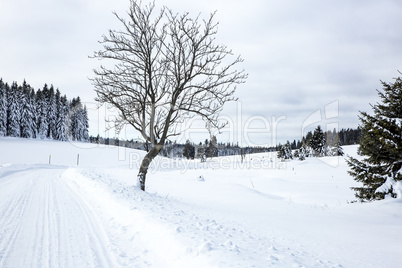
[(162, 67)]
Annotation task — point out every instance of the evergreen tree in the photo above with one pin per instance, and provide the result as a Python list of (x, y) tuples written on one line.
[(212, 147), (79, 121), (299, 144), (61, 117), (57, 133), (285, 151), (206, 148), (309, 136), (200, 150), (296, 154), (27, 112), (3, 108), (338, 149), (51, 113), (288, 150), (34, 109), (281, 151), (74, 119), (293, 145), (85, 124), (381, 146), (302, 152), (41, 110), (242, 154), (14, 111), (189, 150), (317, 142)]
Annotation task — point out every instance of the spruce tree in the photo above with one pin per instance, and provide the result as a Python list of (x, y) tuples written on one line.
[(280, 152), (296, 154), (288, 150), (75, 122), (3, 108), (78, 120), (302, 152), (57, 115), (51, 113), (27, 113), (61, 117), (84, 124), (317, 142), (212, 147), (14, 111), (338, 150), (200, 150), (41, 109), (285, 151), (189, 150), (381, 146), (32, 100), (206, 148)]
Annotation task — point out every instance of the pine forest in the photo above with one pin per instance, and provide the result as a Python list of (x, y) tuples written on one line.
[(42, 114)]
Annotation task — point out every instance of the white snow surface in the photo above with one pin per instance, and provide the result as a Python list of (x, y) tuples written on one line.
[(221, 213)]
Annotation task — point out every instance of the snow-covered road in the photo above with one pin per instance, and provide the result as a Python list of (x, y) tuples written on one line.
[(43, 223)]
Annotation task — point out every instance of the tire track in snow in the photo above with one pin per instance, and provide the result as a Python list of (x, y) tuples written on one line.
[(12, 211), (44, 224), (96, 236)]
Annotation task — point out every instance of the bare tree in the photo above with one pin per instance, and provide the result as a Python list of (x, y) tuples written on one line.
[(165, 67)]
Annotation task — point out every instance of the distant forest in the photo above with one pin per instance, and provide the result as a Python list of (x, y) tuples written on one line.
[(343, 137), (212, 148), (44, 113)]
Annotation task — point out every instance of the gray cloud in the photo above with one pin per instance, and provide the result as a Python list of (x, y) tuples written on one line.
[(300, 55)]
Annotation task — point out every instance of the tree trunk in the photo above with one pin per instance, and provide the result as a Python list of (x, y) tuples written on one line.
[(145, 165)]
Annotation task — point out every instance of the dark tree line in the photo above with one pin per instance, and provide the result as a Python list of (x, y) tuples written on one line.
[(212, 148), (318, 143), (41, 114), (207, 149), (350, 136), (347, 136), (133, 144)]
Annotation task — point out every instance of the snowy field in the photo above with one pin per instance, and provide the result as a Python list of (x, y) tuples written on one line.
[(222, 213)]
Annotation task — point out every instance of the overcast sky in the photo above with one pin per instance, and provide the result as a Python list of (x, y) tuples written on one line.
[(309, 62)]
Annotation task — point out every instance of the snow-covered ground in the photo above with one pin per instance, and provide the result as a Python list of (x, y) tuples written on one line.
[(223, 213)]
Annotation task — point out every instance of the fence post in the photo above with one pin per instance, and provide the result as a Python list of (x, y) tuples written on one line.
[(50, 158), (78, 159)]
